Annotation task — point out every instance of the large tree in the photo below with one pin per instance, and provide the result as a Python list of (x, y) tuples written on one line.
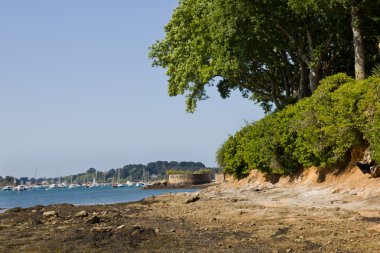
[(365, 17), (273, 51)]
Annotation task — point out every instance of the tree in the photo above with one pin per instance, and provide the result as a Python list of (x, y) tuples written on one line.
[(91, 171), (272, 53), (364, 26)]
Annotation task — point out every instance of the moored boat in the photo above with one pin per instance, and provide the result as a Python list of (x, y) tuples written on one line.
[(7, 188), (19, 188)]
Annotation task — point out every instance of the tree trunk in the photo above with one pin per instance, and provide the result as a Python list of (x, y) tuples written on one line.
[(358, 41), (304, 90), (314, 78)]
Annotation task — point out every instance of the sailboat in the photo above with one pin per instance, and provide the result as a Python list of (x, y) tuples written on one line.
[(94, 183), (118, 184), (113, 184), (72, 186)]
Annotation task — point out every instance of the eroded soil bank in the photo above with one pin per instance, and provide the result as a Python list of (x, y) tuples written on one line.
[(247, 216)]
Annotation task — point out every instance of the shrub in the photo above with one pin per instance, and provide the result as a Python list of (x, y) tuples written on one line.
[(319, 130)]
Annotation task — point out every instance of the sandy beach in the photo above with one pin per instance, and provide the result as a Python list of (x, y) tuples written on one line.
[(340, 214)]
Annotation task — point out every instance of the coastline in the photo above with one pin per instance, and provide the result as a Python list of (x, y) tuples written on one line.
[(232, 217), (163, 186)]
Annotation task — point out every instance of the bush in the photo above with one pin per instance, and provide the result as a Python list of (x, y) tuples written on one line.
[(318, 130)]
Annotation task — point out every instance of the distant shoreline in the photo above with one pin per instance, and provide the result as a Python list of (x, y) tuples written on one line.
[(176, 186)]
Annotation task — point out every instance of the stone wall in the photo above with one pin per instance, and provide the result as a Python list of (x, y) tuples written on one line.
[(222, 177), (188, 179), (219, 178)]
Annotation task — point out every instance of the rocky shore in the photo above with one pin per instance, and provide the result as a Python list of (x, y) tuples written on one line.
[(249, 216)]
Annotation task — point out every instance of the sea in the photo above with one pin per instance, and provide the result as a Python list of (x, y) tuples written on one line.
[(78, 196)]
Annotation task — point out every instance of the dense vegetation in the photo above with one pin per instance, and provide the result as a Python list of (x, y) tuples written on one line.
[(274, 52), (319, 130)]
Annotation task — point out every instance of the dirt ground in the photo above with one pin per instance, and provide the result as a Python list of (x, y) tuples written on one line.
[(302, 214)]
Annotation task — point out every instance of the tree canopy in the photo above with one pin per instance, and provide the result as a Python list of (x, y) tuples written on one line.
[(273, 51)]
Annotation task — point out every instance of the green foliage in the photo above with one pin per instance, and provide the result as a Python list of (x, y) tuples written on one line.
[(376, 70), (318, 131), (263, 48), (255, 47)]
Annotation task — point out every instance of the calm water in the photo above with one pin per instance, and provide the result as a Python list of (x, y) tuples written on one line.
[(78, 196)]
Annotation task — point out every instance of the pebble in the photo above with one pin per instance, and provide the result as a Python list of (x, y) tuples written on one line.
[(50, 214), (81, 214), (121, 227)]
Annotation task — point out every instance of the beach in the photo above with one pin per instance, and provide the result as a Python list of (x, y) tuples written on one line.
[(251, 215)]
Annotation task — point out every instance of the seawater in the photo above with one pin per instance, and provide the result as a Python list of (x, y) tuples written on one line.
[(78, 196)]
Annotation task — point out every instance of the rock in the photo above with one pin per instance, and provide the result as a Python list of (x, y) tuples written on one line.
[(62, 227), (157, 230), (194, 199), (36, 222), (100, 229), (50, 214), (120, 227), (375, 171), (81, 214), (173, 230), (93, 220)]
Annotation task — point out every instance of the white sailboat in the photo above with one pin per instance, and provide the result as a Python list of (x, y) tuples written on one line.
[(94, 183), (73, 186), (118, 184)]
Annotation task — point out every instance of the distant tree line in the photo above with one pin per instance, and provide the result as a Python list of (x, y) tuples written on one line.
[(134, 172)]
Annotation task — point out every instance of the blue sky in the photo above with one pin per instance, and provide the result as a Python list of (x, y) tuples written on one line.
[(77, 90)]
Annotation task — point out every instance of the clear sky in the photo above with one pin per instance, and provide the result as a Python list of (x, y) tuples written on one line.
[(77, 90)]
